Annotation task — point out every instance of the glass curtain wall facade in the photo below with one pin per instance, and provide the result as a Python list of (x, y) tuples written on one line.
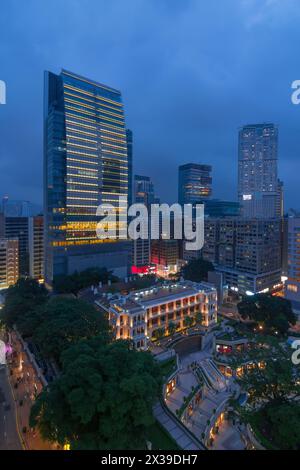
[(194, 183), (85, 164)]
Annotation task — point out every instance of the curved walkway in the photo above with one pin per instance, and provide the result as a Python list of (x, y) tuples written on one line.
[(179, 433)]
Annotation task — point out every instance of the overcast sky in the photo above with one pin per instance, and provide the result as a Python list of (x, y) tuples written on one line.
[(191, 73)]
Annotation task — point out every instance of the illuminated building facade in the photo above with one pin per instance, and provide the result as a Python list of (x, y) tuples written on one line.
[(293, 282), (259, 190), (9, 262), (18, 228), (36, 247), (85, 165), (194, 183), (246, 251), (138, 315), (165, 256), (129, 140)]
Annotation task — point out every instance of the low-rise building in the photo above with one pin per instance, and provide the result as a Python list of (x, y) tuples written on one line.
[(139, 314)]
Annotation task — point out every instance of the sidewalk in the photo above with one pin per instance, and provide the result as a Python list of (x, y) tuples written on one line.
[(25, 385)]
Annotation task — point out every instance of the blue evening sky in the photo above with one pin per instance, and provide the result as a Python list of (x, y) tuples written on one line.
[(191, 72)]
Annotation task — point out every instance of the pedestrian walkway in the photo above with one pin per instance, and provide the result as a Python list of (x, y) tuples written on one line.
[(228, 438), (180, 435), (25, 386)]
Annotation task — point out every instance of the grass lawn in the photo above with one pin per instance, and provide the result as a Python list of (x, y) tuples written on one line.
[(160, 439)]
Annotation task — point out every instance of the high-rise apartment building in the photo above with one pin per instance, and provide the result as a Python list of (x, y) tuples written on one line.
[(9, 262), (36, 247), (85, 165), (293, 282), (259, 190), (246, 251), (194, 183)]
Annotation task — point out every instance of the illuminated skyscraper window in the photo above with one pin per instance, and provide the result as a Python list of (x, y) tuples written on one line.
[(85, 165)]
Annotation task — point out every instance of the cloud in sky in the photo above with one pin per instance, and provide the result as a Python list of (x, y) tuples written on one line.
[(190, 72)]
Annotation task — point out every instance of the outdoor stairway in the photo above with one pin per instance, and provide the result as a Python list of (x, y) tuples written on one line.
[(213, 375)]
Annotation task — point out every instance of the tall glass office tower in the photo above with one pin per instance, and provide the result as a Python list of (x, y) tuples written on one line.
[(194, 183), (85, 164)]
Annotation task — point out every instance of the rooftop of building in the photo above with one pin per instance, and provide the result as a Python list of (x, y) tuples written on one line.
[(152, 296), (197, 166), (89, 81)]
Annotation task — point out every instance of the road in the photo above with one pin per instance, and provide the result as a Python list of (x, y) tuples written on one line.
[(9, 437)]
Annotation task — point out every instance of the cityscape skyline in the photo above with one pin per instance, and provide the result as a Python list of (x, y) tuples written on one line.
[(206, 124), (149, 228)]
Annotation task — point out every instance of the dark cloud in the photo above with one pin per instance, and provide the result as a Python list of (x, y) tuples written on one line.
[(191, 73)]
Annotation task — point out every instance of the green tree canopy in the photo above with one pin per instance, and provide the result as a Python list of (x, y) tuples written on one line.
[(276, 380), (21, 300), (171, 328), (103, 398), (273, 313), (66, 284), (197, 270), (64, 322), (141, 282), (279, 423), (189, 321)]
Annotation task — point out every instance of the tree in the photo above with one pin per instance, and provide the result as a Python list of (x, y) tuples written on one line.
[(171, 328), (22, 299), (142, 282), (197, 270), (72, 284), (282, 425), (199, 317), (66, 321), (272, 379), (158, 333), (278, 423), (103, 398), (270, 312), (188, 322)]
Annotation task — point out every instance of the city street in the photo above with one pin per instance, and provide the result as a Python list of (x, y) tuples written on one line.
[(9, 436), (26, 386)]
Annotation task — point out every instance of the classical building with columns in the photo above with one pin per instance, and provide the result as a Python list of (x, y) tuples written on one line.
[(139, 315)]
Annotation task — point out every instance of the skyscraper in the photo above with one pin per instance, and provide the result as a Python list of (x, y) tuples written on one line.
[(246, 251), (194, 183), (85, 165), (143, 190), (143, 194), (259, 190), (36, 247), (129, 140)]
